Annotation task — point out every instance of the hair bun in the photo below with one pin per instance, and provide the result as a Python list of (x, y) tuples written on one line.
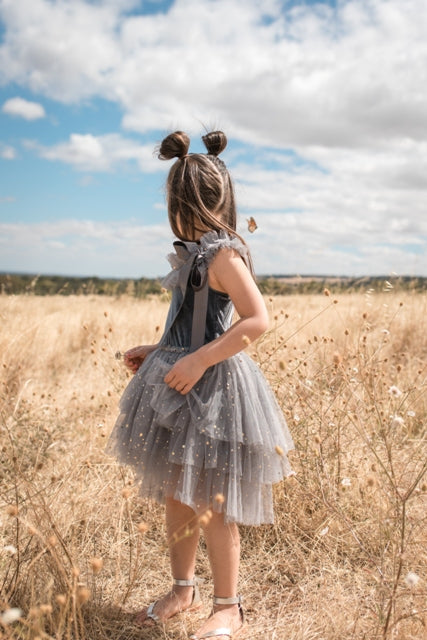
[(215, 142), (175, 145)]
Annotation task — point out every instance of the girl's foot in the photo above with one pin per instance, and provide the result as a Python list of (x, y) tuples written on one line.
[(179, 599), (223, 617)]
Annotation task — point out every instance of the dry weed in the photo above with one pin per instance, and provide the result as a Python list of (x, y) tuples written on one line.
[(347, 555)]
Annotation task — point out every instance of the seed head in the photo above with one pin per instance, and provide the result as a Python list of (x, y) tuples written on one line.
[(96, 564), (395, 391), (83, 595), (219, 498), (10, 550), (12, 510), (337, 358), (46, 609), (246, 340), (397, 421), (412, 579), (61, 599), (10, 615), (326, 292), (142, 527), (371, 481), (279, 450)]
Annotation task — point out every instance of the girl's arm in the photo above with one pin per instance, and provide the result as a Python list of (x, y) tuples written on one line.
[(227, 273)]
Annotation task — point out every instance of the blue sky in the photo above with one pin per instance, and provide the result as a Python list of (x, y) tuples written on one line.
[(324, 105)]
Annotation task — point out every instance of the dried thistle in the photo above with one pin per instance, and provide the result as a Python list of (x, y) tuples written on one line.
[(96, 564), (83, 595), (142, 527)]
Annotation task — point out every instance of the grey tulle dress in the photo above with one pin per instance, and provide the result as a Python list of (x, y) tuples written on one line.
[(227, 436)]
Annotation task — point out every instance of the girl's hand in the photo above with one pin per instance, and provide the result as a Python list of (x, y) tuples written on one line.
[(134, 358), (185, 373)]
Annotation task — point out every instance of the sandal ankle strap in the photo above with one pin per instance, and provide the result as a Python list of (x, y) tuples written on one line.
[(196, 600), (236, 600), (188, 583)]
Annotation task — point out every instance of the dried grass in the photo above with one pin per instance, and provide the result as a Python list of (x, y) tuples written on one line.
[(347, 555)]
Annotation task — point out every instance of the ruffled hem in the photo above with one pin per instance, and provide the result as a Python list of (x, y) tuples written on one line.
[(227, 436)]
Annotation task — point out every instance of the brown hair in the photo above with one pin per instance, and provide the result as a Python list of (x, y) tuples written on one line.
[(200, 192)]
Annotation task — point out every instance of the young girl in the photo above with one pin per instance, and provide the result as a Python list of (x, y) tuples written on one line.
[(199, 423)]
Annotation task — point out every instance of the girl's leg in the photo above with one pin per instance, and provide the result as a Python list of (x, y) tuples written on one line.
[(183, 535), (223, 543), (182, 527)]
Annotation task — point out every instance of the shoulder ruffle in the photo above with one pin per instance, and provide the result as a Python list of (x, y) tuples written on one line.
[(212, 241), (201, 255)]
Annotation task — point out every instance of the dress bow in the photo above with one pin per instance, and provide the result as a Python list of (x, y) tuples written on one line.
[(189, 266)]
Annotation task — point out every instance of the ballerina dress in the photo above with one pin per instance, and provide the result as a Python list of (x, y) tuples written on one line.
[(222, 445)]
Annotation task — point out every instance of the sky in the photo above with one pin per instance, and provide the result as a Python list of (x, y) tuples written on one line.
[(324, 104)]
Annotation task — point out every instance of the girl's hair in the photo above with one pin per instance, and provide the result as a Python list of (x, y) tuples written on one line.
[(200, 193)]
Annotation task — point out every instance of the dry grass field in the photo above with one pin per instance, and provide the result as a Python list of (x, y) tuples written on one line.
[(79, 552)]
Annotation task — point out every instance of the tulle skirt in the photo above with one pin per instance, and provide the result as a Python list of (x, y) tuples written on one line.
[(221, 446)]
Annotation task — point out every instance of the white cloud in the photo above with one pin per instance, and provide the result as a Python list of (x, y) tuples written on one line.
[(115, 249), (128, 249), (350, 76), (387, 184), (7, 152), (302, 243), (99, 153), (344, 89), (23, 109)]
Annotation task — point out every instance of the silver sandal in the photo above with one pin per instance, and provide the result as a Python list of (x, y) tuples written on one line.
[(196, 601), (224, 631)]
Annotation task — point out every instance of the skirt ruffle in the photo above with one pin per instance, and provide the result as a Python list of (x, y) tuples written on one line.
[(227, 437)]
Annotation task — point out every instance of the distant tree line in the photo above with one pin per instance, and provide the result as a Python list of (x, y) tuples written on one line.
[(61, 285), (21, 284), (286, 285)]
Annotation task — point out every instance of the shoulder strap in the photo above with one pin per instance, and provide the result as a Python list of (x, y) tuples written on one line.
[(191, 271), (199, 318), (200, 305)]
